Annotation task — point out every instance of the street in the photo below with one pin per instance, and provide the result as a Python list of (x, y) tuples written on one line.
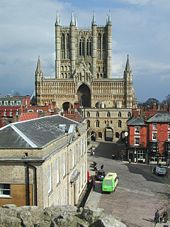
[(139, 193)]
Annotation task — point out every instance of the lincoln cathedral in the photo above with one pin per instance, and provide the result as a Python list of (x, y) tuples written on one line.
[(83, 78)]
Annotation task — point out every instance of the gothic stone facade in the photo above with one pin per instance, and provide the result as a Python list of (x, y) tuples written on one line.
[(83, 70)]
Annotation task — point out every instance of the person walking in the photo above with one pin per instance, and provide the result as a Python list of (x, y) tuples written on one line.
[(156, 218)]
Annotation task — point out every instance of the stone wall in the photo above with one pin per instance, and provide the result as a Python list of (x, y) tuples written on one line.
[(62, 216)]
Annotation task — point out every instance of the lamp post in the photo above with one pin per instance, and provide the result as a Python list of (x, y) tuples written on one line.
[(126, 144)]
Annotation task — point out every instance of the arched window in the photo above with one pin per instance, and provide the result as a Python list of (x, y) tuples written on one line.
[(81, 47), (119, 114), (99, 41), (108, 114), (119, 123), (88, 114), (97, 123), (68, 45), (89, 49), (63, 46), (117, 135), (129, 114), (100, 135), (63, 41), (88, 123), (104, 42), (97, 114)]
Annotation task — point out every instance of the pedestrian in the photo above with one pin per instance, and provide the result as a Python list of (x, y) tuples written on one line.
[(102, 166), (156, 218)]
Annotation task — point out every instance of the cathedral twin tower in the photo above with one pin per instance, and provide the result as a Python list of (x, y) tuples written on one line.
[(83, 70)]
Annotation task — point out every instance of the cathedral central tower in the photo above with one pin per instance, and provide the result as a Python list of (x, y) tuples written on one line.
[(91, 47)]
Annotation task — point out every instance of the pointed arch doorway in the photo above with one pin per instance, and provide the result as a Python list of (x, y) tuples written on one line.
[(84, 95)]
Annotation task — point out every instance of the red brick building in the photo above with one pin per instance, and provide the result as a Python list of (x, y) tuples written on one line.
[(149, 140), (12, 109)]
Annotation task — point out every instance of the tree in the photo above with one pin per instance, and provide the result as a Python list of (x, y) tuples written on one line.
[(151, 101)]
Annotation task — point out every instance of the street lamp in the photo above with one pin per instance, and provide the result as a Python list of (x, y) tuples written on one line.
[(125, 136)]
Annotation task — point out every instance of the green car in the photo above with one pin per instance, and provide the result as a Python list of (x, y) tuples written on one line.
[(110, 182)]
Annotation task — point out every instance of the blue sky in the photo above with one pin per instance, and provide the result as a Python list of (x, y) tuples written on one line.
[(140, 28)]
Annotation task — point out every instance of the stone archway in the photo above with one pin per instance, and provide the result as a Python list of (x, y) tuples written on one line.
[(66, 106), (108, 134), (84, 95)]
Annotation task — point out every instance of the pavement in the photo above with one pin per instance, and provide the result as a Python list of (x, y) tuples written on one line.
[(98, 200)]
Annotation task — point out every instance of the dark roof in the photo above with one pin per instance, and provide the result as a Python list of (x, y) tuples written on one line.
[(136, 121), (160, 118), (34, 133)]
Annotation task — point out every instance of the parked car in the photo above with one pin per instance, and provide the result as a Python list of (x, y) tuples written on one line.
[(160, 170)]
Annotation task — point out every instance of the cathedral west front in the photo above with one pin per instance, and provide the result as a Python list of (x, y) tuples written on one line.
[(83, 78)]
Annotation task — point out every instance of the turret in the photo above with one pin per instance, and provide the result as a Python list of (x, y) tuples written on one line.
[(38, 79), (57, 46), (72, 42), (109, 46), (94, 46), (38, 71), (128, 71), (128, 84)]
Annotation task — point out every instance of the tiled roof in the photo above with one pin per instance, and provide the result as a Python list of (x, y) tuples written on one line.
[(160, 118), (136, 121), (34, 133), (28, 116)]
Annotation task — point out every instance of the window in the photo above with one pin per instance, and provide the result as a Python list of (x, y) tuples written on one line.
[(5, 103), (108, 114), (154, 136), (18, 102), (89, 47), (81, 47), (64, 164), (97, 114), (57, 170), (88, 114), (11, 103), (168, 136), (97, 123), (0, 103), (88, 123), (99, 41), (137, 130), (154, 126), (117, 135), (119, 123), (49, 178), (129, 114), (119, 114), (4, 190), (136, 142)]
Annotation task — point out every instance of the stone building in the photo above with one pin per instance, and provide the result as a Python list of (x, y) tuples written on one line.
[(83, 71), (43, 162)]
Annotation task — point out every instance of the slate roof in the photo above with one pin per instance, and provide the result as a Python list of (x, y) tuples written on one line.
[(136, 121), (34, 133), (160, 118)]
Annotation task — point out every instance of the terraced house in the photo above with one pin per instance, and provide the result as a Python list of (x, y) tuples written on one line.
[(43, 162), (149, 140)]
